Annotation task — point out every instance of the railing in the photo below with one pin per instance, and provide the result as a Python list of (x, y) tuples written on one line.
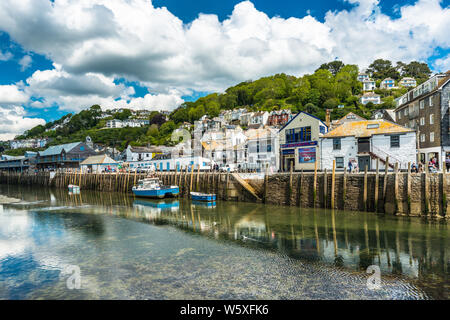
[(383, 155)]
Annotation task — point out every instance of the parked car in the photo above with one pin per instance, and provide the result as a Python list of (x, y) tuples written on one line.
[(228, 168)]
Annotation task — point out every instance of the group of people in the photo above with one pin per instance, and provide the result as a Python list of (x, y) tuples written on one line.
[(433, 166)]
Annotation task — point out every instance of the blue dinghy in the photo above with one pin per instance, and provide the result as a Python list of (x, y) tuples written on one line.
[(205, 197), (152, 188)]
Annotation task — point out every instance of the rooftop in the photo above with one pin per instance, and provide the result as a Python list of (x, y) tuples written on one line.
[(366, 128), (55, 150)]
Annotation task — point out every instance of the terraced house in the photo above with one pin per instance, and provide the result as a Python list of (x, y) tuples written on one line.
[(426, 110)]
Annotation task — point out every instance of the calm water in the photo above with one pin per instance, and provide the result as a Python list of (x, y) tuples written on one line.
[(138, 249)]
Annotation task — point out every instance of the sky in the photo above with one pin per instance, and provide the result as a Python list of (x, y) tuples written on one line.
[(61, 56)]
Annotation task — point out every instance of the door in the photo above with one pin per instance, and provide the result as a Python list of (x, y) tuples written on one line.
[(363, 162), (363, 145)]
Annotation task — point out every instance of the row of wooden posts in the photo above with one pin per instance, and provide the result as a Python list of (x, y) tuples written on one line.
[(365, 189)]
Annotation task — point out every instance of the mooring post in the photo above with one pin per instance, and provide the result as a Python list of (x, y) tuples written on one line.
[(396, 188), (443, 194), (427, 191), (344, 188), (325, 188), (300, 184), (315, 185), (408, 188), (192, 178), (266, 184), (377, 185), (198, 179), (365, 188), (290, 185), (385, 180), (333, 181)]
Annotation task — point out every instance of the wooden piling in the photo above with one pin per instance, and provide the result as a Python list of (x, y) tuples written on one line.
[(315, 185), (408, 188), (290, 186), (396, 188), (377, 185), (365, 188), (344, 188), (333, 182), (325, 188), (385, 180)]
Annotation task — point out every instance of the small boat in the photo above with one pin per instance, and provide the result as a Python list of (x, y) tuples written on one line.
[(208, 197), (152, 188), (74, 188)]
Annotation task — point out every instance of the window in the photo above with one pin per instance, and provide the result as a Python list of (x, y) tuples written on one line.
[(422, 104), (399, 115), (395, 141), (430, 102), (339, 162), (422, 121), (422, 138), (305, 134), (269, 146), (336, 144), (432, 137), (373, 126), (431, 118)]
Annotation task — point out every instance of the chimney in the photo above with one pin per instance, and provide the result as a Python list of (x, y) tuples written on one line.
[(328, 118)]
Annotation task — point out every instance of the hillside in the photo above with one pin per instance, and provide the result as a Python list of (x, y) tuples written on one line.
[(333, 86)]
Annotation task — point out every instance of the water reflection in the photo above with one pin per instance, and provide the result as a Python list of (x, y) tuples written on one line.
[(404, 248)]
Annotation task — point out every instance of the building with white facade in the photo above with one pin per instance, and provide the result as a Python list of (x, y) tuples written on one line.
[(362, 77), (114, 124), (408, 82), (244, 119), (369, 85), (259, 118), (263, 149), (388, 83), (140, 153), (363, 142), (370, 97)]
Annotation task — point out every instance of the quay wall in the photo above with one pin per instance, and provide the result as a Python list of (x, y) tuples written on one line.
[(395, 193)]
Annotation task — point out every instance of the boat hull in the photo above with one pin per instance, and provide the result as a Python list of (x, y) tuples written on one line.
[(157, 194), (203, 197)]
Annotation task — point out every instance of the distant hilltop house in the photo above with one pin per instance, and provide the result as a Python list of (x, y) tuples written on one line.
[(370, 97), (259, 118), (388, 83), (369, 85), (244, 119), (132, 123), (408, 82), (363, 77)]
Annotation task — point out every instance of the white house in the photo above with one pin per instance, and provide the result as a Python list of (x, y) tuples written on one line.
[(370, 97), (263, 149), (408, 82), (369, 85), (363, 142), (362, 77), (236, 114), (113, 124), (259, 118), (140, 153), (388, 83), (244, 119)]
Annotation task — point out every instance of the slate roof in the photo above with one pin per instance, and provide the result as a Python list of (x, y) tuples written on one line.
[(56, 150), (362, 129)]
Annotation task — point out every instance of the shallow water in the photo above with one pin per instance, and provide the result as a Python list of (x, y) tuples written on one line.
[(129, 248)]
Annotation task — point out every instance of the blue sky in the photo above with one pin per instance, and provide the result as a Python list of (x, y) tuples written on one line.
[(61, 58)]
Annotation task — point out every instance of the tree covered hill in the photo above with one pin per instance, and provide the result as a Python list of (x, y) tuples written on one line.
[(331, 85)]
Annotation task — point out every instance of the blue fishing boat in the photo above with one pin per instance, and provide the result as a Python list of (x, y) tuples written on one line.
[(152, 188), (206, 197)]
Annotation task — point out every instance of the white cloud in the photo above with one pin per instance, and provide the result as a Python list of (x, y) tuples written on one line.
[(443, 64), (11, 94), (13, 121), (5, 56), (97, 41), (25, 62)]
